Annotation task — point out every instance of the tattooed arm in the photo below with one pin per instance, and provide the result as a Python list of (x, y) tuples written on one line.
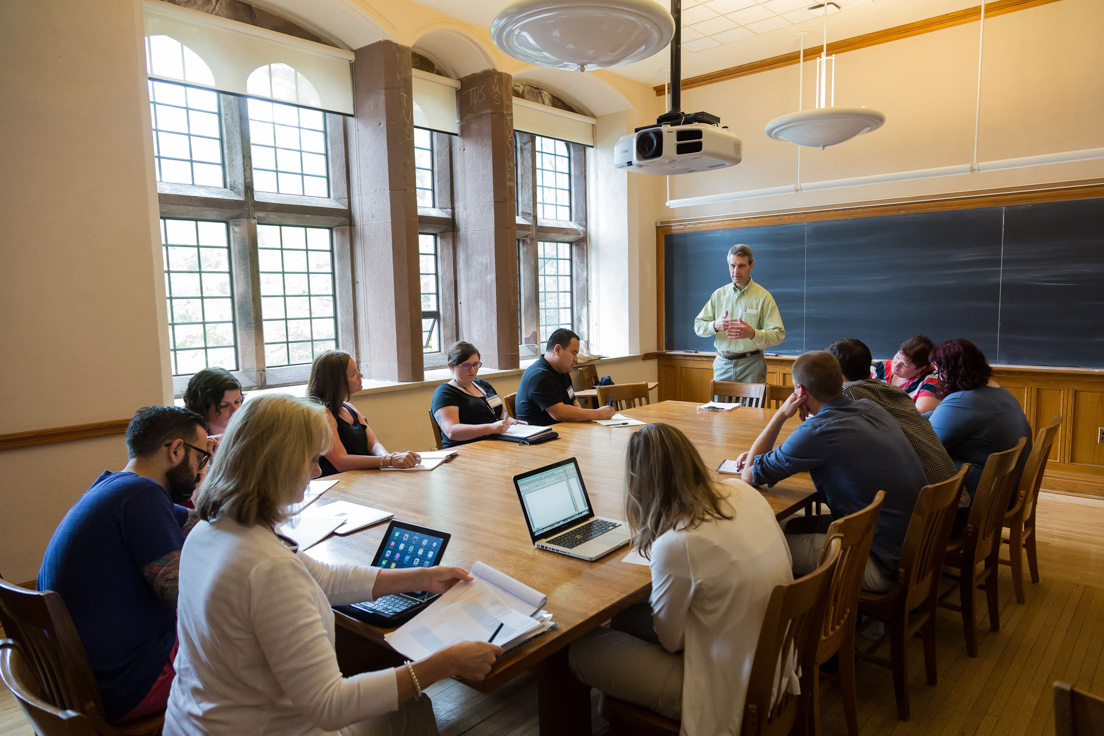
[(163, 576), (193, 519)]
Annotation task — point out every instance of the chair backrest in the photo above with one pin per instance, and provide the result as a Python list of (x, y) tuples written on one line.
[(856, 534), (623, 396), (1077, 712), (39, 622), (777, 394), (749, 394), (509, 400), (436, 431), (588, 376), (926, 540), (47, 720), (982, 534), (787, 642), (1032, 479)]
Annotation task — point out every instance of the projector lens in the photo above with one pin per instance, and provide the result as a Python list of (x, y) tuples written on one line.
[(649, 145)]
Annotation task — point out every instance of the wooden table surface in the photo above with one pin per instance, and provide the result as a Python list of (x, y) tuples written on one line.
[(473, 498)]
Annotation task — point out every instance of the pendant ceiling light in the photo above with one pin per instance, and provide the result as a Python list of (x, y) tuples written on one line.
[(582, 34), (827, 125)]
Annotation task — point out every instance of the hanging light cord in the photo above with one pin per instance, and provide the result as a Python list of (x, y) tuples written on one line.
[(977, 108)]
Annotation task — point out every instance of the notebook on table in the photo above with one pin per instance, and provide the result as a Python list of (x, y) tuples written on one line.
[(404, 545), (559, 515)]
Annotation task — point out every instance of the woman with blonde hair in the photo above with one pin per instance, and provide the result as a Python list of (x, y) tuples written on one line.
[(716, 553), (256, 631), (334, 378)]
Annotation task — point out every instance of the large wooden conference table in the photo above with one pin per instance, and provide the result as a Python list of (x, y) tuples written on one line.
[(473, 498)]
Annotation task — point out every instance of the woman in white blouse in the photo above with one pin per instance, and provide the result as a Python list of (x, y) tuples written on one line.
[(256, 631), (716, 554)]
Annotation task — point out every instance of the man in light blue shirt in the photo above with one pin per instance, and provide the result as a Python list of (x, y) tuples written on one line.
[(743, 320)]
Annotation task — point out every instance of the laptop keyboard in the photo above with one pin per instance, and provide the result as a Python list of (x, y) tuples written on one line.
[(584, 533), (389, 605)]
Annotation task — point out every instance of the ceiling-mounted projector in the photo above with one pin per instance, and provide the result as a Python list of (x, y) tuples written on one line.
[(677, 149), (678, 143)]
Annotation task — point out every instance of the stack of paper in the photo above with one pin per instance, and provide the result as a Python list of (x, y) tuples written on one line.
[(314, 490), (620, 420), (430, 460), (718, 406), (473, 612), (311, 526), (521, 433)]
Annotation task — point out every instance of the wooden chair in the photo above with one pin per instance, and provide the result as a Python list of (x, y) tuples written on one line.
[(1077, 712), (588, 376), (777, 394), (837, 631), (910, 607), (47, 720), (436, 429), (790, 629), (975, 553), (1020, 521), (39, 622), (509, 400), (748, 394), (624, 396)]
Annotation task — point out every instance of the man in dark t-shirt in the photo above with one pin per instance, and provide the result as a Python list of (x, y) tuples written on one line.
[(115, 556), (545, 395)]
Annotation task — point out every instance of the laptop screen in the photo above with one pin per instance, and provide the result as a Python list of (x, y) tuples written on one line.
[(407, 545), (552, 496)]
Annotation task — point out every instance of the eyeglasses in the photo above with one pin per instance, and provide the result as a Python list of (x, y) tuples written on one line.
[(471, 366), (204, 456)]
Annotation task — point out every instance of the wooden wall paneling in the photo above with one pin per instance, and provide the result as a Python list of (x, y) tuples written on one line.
[(695, 382), (1048, 402), (1088, 417), (668, 381)]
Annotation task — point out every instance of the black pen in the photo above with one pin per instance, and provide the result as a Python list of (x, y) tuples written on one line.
[(491, 640)]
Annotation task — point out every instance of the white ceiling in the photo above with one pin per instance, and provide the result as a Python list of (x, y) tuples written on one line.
[(717, 34)]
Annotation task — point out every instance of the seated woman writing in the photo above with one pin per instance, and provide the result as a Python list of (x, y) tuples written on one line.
[(334, 377), (716, 554), (214, 394), (911, 371), (468, 408), (256, 632)]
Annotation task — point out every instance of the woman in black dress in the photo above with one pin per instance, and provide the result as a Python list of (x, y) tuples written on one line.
[(468, 408), (334, 378)]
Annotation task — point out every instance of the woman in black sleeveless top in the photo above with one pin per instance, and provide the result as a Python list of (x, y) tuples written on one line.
[(334, 378), (467, 408)]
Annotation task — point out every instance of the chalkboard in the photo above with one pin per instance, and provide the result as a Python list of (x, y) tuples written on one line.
[(1025, 283)]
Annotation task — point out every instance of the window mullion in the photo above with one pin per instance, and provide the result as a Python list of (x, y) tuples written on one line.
[(527, 240), (247, 297)]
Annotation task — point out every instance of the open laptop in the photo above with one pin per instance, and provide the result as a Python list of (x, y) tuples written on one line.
[(403, 545), (560, 518)]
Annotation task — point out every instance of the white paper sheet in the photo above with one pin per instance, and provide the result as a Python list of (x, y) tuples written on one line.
[(354, 515), (719, 406), (314, 490), (620, 420), (309, 531)]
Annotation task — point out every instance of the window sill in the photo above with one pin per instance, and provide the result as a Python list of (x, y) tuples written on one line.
[(432, 379)]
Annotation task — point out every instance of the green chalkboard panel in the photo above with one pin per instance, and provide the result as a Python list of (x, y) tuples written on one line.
[(1024, 282)]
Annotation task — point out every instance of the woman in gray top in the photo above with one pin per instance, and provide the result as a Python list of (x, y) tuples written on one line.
[(976, 417)]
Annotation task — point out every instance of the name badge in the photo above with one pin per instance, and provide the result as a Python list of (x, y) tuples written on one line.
[(494, 401), (571, 393), (751, 311)]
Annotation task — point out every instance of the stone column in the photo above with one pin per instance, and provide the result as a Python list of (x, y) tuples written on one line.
[(384, 210), (486, 253)]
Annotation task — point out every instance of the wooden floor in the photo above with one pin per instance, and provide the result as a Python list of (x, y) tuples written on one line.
[(1006, 690)]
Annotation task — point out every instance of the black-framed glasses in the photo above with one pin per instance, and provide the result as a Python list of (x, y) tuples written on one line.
[(204, 456), (471, 366)]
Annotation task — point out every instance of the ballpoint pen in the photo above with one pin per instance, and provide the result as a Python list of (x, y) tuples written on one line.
[(491, 640)]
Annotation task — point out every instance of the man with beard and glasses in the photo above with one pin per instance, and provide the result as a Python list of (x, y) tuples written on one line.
[(114, 559)]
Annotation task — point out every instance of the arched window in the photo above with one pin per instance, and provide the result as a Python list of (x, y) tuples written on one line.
[(281, 82), (169, 59)]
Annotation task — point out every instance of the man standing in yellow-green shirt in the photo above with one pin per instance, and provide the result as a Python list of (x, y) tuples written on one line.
[(743, 320)]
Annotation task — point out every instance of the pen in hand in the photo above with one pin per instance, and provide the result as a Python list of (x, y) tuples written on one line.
[(491, 640)]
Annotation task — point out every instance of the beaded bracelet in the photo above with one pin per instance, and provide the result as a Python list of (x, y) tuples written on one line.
[(414, 679)]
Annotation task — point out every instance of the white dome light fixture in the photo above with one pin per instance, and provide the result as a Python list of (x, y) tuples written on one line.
[(582, 34), (827, 125)]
